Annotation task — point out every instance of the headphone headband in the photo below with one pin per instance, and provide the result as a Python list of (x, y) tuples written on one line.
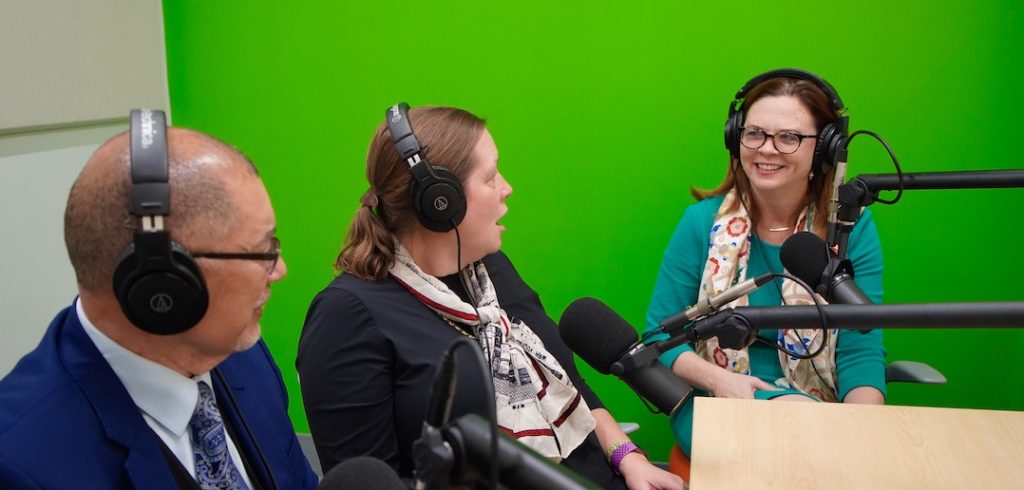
[(151, 191), (830, 92), (405, 141)]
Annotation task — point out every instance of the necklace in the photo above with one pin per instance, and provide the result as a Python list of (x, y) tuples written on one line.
[(780, 229), (457, 327)]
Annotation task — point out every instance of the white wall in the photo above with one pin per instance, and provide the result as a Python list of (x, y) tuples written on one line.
[(69, 73), (37, 277), (70, 62)]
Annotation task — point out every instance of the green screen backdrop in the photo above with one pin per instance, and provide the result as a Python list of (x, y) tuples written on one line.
[(605, 113)]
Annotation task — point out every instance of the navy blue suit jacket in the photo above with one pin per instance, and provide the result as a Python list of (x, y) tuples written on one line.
[(66, 421)]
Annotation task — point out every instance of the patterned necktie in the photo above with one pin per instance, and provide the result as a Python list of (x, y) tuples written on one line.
[(214, 468)]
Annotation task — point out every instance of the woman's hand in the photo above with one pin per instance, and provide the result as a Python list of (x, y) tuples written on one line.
[(640, 474), (718, 381), (727, 384)]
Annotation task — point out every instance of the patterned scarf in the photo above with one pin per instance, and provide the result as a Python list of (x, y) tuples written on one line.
[(728, 255), (536, 402)]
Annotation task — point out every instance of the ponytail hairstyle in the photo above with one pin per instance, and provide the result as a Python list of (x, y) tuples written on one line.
[(448, 136), (818, 104)]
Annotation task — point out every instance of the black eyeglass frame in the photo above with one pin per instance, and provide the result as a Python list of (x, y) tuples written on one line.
[(771, 136), (274, 256)]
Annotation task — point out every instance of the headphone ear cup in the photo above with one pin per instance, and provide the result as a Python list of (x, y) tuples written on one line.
[(160, 295), (732, 133), (439, 200), (830, 138)]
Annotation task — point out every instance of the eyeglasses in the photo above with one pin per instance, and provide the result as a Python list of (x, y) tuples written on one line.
[(271, 257), (784, 141)]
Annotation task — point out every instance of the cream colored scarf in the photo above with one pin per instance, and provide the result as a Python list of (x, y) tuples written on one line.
[(537, 403), (728, 255)]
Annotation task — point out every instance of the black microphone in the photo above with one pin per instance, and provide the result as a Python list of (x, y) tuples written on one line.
[(362, 473), (464, 451), (440, 405), (609, 344), (808, 257), (712, 304), (468, 438), (433, 461)]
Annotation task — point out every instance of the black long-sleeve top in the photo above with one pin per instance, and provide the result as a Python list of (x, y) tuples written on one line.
[(367, 357)]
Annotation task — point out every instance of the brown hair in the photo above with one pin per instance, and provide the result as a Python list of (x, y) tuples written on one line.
[(97, 221), (817, 103), (447, 136)]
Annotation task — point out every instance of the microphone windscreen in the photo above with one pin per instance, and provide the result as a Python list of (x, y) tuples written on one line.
[(805, 256), (362, 473), (596, 333)]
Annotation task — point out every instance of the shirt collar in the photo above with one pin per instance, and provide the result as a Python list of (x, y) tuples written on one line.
[(162, 393)]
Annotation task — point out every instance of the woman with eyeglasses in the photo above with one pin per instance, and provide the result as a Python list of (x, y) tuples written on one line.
[(418, 275), (781, 134)]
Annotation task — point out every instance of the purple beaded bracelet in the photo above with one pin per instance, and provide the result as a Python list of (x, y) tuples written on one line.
[(620, 452)]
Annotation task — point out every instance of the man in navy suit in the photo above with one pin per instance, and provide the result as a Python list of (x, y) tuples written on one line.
[(103, 403)]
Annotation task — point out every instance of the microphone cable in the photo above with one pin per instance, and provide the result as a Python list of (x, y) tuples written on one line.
[(821, 315), (245, 426), (803, 342), (892, 155), (462, 277), (485, 362), (814, 297)]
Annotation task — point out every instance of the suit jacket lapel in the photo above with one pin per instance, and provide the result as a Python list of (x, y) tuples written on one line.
[(230, 411), (113, 406)]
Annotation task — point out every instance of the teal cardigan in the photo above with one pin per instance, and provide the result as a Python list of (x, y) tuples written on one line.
[(860, 358)]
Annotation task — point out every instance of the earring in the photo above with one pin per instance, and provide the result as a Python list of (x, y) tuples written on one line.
[(810, 175)]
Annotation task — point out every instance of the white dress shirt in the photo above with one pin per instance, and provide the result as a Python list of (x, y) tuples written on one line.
[(166, 398)]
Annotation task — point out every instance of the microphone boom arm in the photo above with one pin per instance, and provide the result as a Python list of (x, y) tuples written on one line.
[(736, 328), (872, 184), (863, 190)]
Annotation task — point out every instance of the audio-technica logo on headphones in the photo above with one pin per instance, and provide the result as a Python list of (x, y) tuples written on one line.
[(148, 131), (441, 203), (161, 302), (395, 115)]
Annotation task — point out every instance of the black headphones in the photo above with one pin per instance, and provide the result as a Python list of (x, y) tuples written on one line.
[(437, 194), (831, 138), (156, 281)]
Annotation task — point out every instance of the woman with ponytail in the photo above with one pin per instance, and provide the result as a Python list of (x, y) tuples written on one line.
[(374, 337)]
